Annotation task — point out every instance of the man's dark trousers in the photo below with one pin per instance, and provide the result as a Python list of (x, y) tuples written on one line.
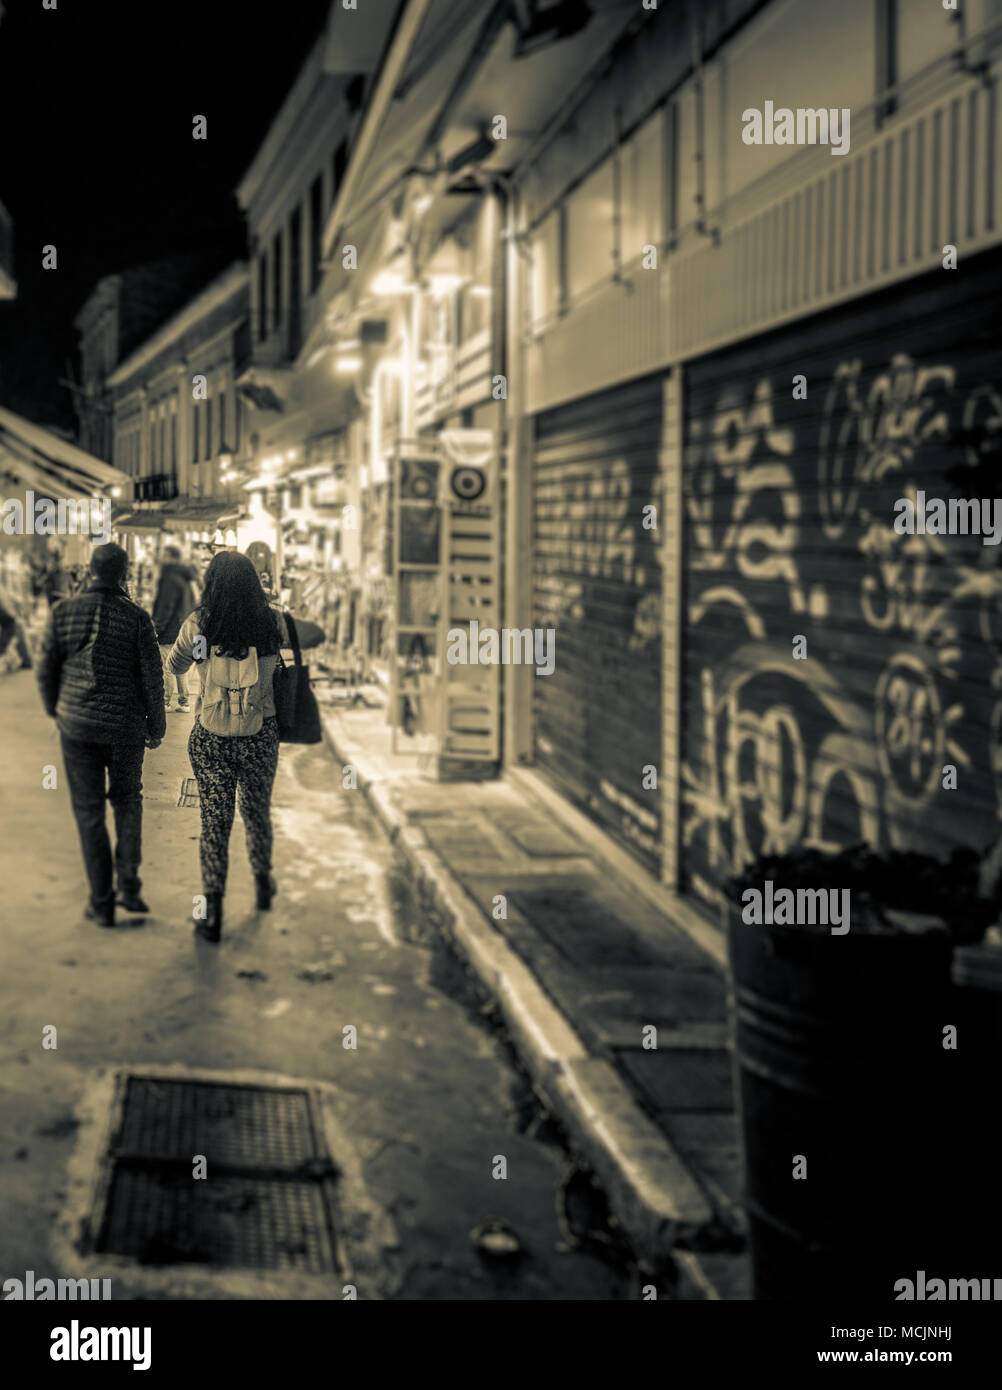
[(86, 765), (11, 631)]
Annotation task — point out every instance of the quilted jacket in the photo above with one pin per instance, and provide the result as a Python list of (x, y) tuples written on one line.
[(100, 673)]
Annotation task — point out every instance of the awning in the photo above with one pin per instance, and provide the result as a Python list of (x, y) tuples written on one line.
[(179, 516), (50, 465), (183, 514), (139, 521)]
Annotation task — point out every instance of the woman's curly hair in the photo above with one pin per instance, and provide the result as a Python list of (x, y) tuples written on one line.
[(234, 615)]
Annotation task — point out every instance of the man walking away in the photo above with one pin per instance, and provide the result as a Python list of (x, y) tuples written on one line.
[(101, 679), (175, 599), (56, 580)]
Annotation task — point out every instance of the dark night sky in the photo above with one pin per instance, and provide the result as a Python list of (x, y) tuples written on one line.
[(97, 157)]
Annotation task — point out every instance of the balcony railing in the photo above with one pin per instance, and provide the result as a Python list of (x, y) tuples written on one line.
[(273, 350), (464, 380), (156, 487)]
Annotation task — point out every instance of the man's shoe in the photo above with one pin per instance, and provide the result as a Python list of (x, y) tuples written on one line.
[(266, 890), (212, 927), (182, 702), (103, 916), (132, 902)]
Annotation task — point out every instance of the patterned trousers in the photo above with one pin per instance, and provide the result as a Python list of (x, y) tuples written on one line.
[(223, 768)]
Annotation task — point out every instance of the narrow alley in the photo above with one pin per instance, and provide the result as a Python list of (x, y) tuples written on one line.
[(427, 1100)]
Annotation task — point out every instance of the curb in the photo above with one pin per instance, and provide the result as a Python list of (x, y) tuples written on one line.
[(656, 1198)]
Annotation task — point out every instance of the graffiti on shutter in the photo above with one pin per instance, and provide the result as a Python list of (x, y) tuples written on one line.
[(789, 510)]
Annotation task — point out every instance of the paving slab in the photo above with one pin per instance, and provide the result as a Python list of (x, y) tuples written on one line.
[(683, 1081), (711, 1143)]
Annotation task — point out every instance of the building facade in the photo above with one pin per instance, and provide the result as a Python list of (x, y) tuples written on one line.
[(736, 359), (179, 427), (119, 314), (417, 312), (674, 345), (302, 505)]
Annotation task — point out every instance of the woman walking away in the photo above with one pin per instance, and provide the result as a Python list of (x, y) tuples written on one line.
[(234, 639)]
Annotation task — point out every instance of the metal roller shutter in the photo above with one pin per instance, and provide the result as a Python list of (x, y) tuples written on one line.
[(789, 511), (597, 583)]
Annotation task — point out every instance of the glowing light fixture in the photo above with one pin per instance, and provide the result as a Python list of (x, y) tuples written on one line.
[(441, 285), (390, 282)]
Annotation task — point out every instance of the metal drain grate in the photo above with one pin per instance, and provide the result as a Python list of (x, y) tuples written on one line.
[(161, 1218), (238, 1124), (188, 792), (267, 1199)]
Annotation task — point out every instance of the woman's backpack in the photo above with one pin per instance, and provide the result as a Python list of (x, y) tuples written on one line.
[(232, 700)]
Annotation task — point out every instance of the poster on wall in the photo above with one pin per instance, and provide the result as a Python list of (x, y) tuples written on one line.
[(416, 567), (445, 576), (470, 727)]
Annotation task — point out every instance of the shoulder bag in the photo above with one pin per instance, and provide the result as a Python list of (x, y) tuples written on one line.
[(296, 708)]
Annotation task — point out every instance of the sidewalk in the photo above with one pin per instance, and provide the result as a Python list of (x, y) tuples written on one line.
[(581, 966)]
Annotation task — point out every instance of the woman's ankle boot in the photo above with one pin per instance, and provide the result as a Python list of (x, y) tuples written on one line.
[(212, 928), (266, 890)]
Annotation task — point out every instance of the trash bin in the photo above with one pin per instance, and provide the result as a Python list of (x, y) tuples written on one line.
[(971, 1118), (839, 1069)]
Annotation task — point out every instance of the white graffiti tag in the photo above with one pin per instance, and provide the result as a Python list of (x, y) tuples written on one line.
[(761, 549), (861, 441), (757, 763)]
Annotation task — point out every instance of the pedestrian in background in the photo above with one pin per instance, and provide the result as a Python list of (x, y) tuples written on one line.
[(234, 638), (56, 584), (101, 679), (12, 631), (175, 599)]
